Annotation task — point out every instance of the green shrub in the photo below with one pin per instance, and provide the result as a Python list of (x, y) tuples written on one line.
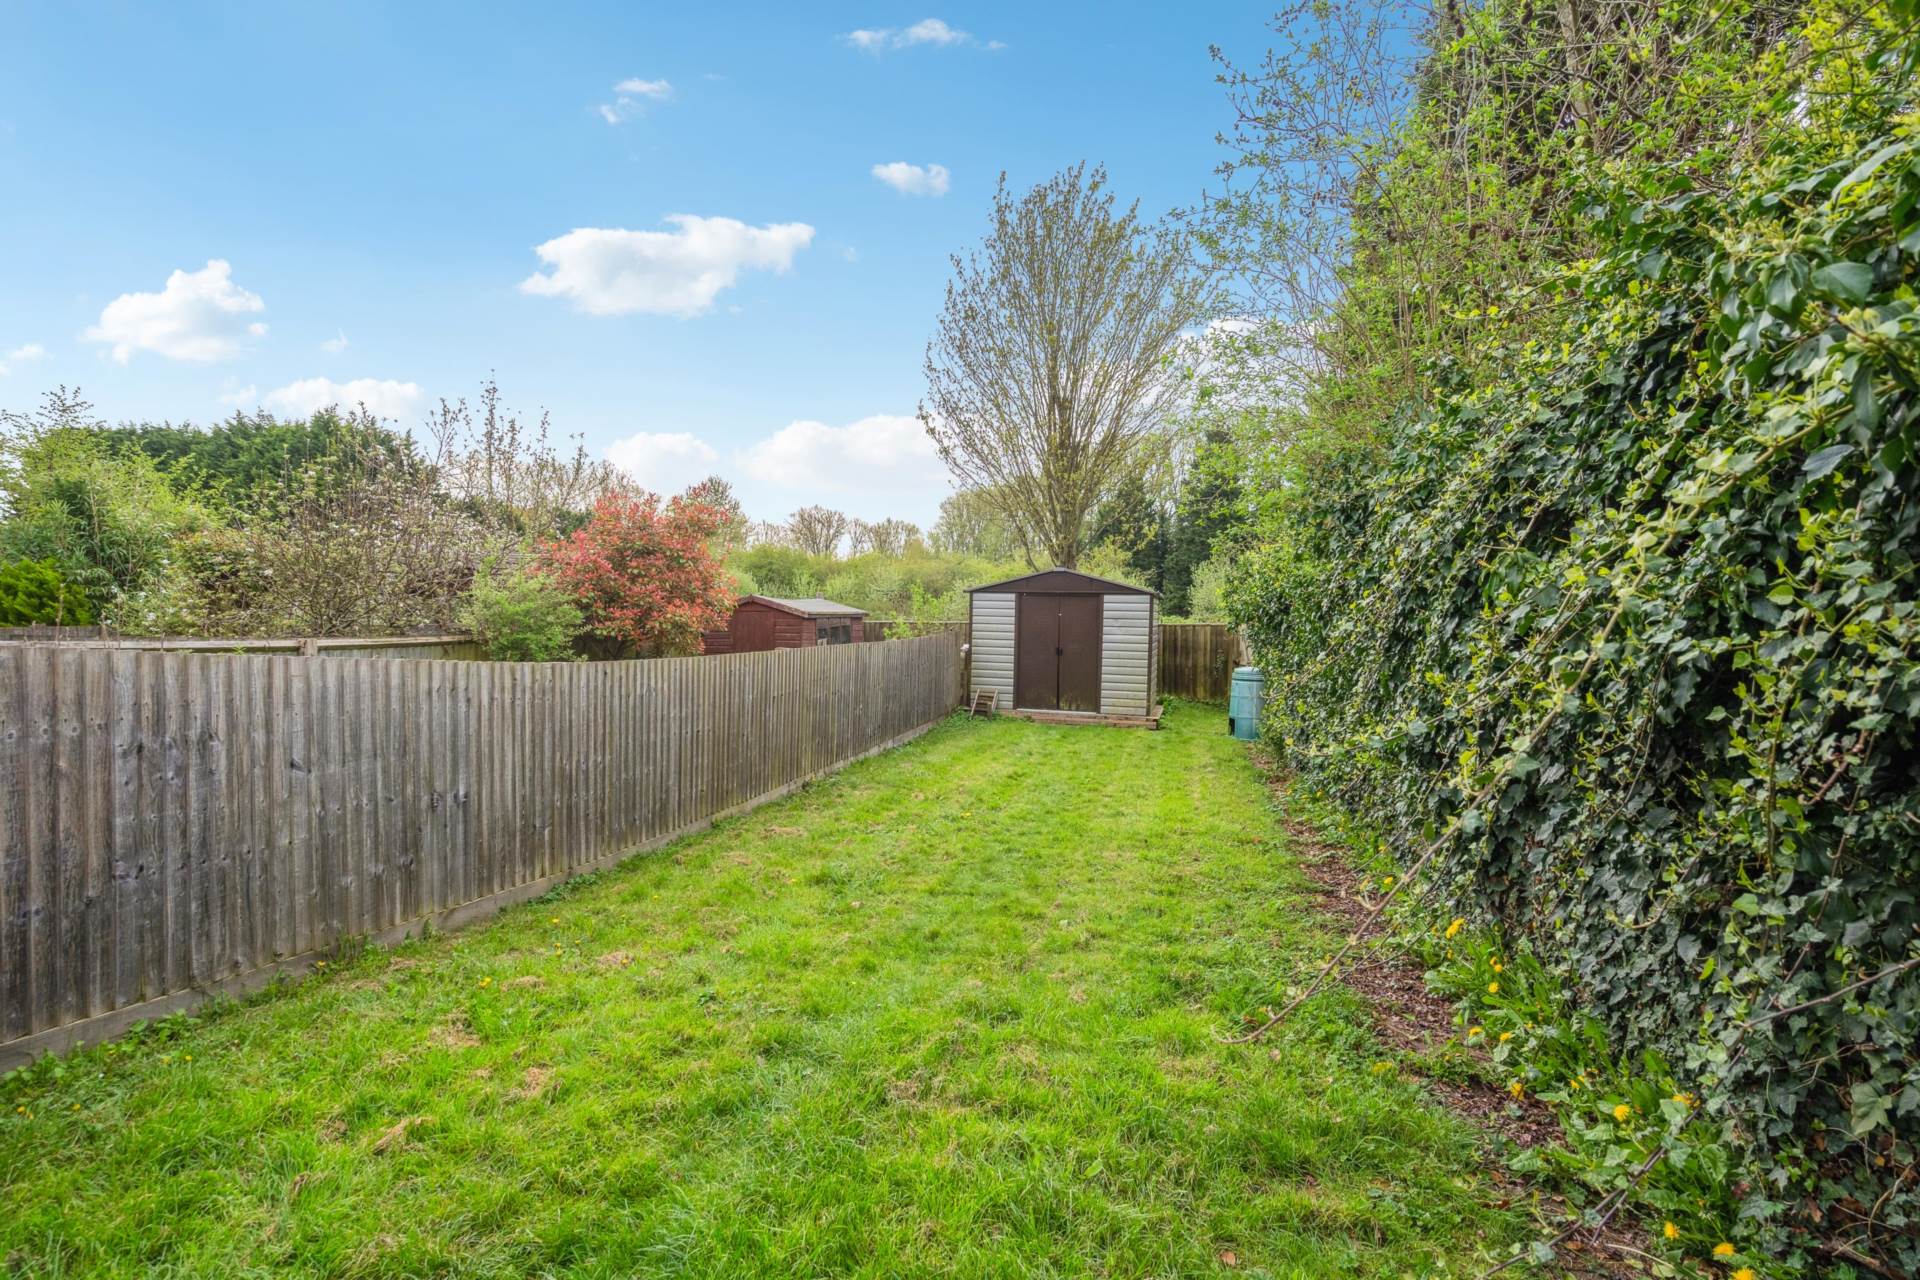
[(1628, 627), (36, 592), (521, 617)]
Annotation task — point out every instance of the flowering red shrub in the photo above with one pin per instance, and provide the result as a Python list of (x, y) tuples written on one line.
[(643, 572)]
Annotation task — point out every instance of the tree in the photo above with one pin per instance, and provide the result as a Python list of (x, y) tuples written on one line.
[(1133, 521), (717, 493), (818, 531), (1054, 362), (509, 474), (1210, 505), (972, 523), (109, 518), (891, 537), (643, 573)]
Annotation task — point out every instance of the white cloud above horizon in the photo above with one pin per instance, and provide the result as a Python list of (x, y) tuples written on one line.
[(383, 397), (664, 461), (199, 316), (26, 353), (335, 345), (616, 272), (913, 179), (927, 31), (629, 95), (876, 467)]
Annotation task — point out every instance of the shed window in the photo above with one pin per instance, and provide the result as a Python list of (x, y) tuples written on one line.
[(834, 633)]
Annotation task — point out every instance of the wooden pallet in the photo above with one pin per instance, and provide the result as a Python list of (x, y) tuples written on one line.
[(983, 702)]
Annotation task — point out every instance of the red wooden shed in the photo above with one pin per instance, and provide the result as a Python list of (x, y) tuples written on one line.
[(768, 622)]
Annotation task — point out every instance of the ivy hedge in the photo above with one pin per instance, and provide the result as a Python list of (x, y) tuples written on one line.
[(1628, 630)]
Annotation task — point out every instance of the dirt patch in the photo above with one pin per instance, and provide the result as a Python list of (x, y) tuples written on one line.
[(1419, 1024), (397, 1133), (453, 1033), (615, 960), (789, 832), (525, 980), (534, 1083)]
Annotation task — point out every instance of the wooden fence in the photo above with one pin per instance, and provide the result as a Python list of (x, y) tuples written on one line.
[(1197, 660), (452, 645), (174, 824)]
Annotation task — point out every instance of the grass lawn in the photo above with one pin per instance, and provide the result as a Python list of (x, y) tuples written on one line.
[(953, 1011)]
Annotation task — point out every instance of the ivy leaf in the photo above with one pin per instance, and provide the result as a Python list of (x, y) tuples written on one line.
[(1870, 1108), (1852, 281), (1824, 461)]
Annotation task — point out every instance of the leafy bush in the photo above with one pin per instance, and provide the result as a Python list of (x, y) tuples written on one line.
[(521, 617), (108, 518), (1626, 629), (36, 592), (644, 572)]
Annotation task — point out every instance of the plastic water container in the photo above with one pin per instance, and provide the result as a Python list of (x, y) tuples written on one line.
[(1244, 702)]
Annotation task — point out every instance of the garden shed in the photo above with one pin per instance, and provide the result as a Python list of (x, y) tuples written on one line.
[(1065, 645), (769, 622)]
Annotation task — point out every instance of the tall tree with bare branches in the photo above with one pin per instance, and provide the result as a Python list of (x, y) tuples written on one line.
[(1055, 360), (818, 531)]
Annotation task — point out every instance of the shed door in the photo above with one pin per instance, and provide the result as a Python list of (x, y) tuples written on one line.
[(753, 630), (1058, 667)]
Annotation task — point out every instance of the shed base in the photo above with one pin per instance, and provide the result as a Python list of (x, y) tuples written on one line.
[(1150, 721)]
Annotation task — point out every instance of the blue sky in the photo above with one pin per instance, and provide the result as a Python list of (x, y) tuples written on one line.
[(379, 181)]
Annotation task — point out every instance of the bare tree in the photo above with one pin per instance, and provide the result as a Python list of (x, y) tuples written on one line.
[(818, 531), (509, 474), (715, 492), (1055, 359), (891, 537), (859, 537), (972, 523), (768, 533)]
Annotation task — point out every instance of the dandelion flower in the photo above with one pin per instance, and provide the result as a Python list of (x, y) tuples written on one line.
[(1670, 1231), (1386, 882), (1459, 923), (486, 982), (555, 920), (1505, 1036), (1517, 1089), (1723, 1250), (1745, 1273), (1498, 967), (1622, 1112), (1493, 988), (1684, 1099), (1475, 1031)]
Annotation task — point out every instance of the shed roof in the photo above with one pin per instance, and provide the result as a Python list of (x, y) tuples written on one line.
[(1065, 580), (809, 606)]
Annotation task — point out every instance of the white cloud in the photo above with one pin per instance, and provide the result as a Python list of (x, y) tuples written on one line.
[(913, 179), (879, 466), (929, 31), (613, 272), (637, 88), (384, 397), (629, 92), (664, 461), (240, 397), (335, 345), (199, 315), (26, 354)]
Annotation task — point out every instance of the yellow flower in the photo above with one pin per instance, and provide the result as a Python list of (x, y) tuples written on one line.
[(1621, 1112), (1745, 1273), (555, 920), (1459, 923), (187, 1058), (486, 982), (1670, 1231), (1475, 1031), (1493, 988), (1517, 1089), (1684, 1099), (1386, 882), (1505, 1036), (1498, 967), (1723, 1250)]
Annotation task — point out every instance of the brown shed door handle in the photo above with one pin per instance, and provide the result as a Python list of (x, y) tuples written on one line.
[(1058, 652)]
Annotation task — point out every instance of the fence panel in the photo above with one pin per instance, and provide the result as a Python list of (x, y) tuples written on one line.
[(1197, 660), (174, 824)]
